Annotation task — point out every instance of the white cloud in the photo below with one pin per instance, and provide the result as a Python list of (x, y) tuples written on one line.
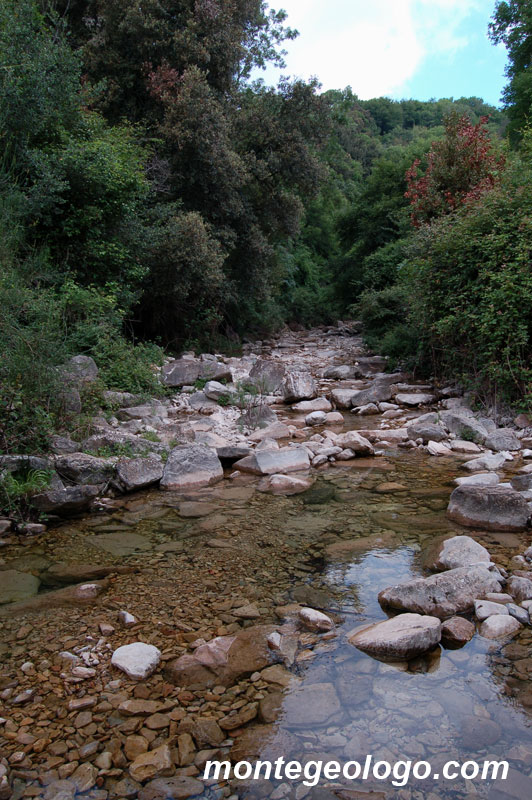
[(375, 46)]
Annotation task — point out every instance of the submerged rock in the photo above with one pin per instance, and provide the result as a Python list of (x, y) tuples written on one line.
[(16, 586), (494, 508), (312, 705), (444, 594), (399, 639), (284, 485)]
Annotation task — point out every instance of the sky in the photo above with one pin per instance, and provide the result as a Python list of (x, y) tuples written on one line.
[(394, 48)]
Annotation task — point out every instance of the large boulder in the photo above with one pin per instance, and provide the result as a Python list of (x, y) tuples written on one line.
[(82, 468), (400, 638), (502, 439), (486, 462), (270, 462), (137, 473), (342, 397), (212, 370), (180, 372), (444, 594), (257, 416), (427, 431), (191, 467), (80, 369), (224, 660), (378, 393), (459, 551), (65, 500), (299, 386), (267, 375), (464, 425), (494, 508), (354, 441)]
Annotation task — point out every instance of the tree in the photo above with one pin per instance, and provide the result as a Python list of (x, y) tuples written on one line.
[(511, 25)]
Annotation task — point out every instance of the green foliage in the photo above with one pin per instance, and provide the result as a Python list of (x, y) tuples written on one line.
[(16, 488), (150, 436)]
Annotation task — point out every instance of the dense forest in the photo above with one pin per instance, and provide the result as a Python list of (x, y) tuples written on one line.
[(155, 197)]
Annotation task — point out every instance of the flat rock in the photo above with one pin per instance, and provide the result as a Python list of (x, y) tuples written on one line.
[(191, 467), (311, 705), (137, 660), (62, 573), (121, 543), (444, 594), (270, 462), (154, 763), (16, 586), (450, 553), (494, 508), (500, 627), (180, 787), (230, 454), (377, 393), (485, 463), (411, 400), (137, 473), (465, 447), (480, 479), (399, 639), (285, 485), (502, 439)]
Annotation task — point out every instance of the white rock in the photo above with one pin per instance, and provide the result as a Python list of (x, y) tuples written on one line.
[(485, 462), (480, 479), (315, 620), (438, 449), (485, 609), (137, 660), (315, 418), (127, 619), (499, 627)]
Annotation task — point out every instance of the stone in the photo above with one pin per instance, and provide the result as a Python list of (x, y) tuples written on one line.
[(236, 719), (270, 462), (315, 620), (213, 370), (377, 393), (479, 479), (223, 660), (479, 732), (215, 390), (121, 543), (191, 467), (137, 660), (485, 609), (299, 386), (352, 440), (64, 501), (502, 439), (411, 400), (308, 406), (462, 446), (494, 508), (270, 707), (457, 551), (84, 777), (342, 397), (59, 574), (83, 468), (180, 787), (344, 372), (62, 445), (134, 746), (500, 627), (267, 375), (369, 410), (399, 639), (180, 372), (426, 431), (204, 730), (311, 705), (140, 708), (315, 418), (485, 463), (334, 418), (520, 588), (137, 473), (228, 455), (285, 485), (16, 586), (438, 449), (154, 763), (522, 483), (518, 613), (457, 631), (464, 425), (444, 594)]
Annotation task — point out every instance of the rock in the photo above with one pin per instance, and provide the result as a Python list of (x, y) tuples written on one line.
[(438, 449), (61, 573), (519, 588), (270, 462), (494, 508), (121, 543), (249, 611), (64, 501), (315, 418), (116, 441), (228, 455), (426, 431), (137, 660), (334, 418), (523, 421), (263, 741), (155, 763), (377, 393), (267, 375), (479, 479), (520, 614), (485, 462), (140, 708), (24, 463), (457, 631), (180, 372), (236, 719), (502, 439), (83, 594), (180, 787), (191, 467), (411, 400), (278, 430), (205, 731), (258, 416), (461, 446), (343, 372), (84, 777), (314, 620), (369, 410), (500, 627), (308, 406), (62, 445), (285, 485), (137, 473), (16, 586), (213, 370), (464, 425), (479, 732), (223, 660), (215, 390), (352, 440), (399, 639), (458, 551), (311, 705), (444, 594), (485, 609), (270, 707), (522, 483), (82, 468), (299, 386), (342, 397)]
